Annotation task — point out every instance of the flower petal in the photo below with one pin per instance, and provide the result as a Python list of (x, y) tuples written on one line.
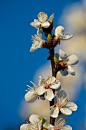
[(45, 24), (72, 106), (58, 30), (55, 85), (40, 90), (54, 29), (62, 93), (67, 127), (42, 17), (36, 45), (71, 70), (49, 95), (30, 96), (62, 54), (34, 119), (51, 17), (40, 45), (54, 112), (65, 37), (64, 72), (66, 111), (60, 119), (24, 126), (51, 79), (36, 20), (33, 48), (40, 80), (35, 24), (72, 60), (40, 125), (48, 126)]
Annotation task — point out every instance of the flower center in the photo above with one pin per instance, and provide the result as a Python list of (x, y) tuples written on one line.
[(47, 86), (59, 124), (59, 105), (35, 39), (61, 101), (63, 65), (37, 128), (57, 127)]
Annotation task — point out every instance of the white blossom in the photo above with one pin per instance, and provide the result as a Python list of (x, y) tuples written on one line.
[(58, 32), (37, 41), (42, 20), (45, 87), (62, 105), (35, 123), (70, 61), (31, 94), (60, 124)]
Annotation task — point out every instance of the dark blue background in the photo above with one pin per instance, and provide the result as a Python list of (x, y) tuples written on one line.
[(17, 64)]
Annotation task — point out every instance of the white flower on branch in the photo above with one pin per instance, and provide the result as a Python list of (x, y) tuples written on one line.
[(45, 87), (43, 20), (63, 105), (58, 32), (37, 41), (69, 61), (35, 123), (31, 94), (60, 124)]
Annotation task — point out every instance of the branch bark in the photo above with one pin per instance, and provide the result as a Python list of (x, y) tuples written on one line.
[(53, 74)]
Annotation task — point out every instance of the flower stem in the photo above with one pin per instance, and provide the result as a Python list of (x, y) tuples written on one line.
[(53, 74), (50, 45)]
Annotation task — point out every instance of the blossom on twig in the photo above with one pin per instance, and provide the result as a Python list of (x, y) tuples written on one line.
[(43, 20), (66, 62), (31, 94), (58, 32), (36, 123), (45, 87), (37, 41), (60, 124), (63, 105)]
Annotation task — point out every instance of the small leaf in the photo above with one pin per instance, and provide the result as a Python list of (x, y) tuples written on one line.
[(43, 120), (49, 37), (55, 60)]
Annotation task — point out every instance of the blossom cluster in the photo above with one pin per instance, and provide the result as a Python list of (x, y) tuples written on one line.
[(46, 88), (43, 90), (38, 123)]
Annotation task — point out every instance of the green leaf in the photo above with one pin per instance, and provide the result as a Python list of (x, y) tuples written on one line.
[(55, 60), (49, 37), (43, 120)]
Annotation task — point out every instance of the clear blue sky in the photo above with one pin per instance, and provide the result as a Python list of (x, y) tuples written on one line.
[(17, 64)]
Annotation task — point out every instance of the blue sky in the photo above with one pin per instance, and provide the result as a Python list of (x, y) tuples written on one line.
[(18, 65)]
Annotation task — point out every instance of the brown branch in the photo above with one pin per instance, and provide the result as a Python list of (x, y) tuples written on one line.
[(54, 44), (53, 74), (50, 45)]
